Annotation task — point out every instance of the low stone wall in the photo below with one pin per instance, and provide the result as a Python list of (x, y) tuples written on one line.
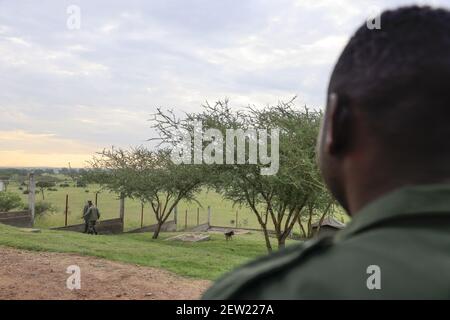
[(226, 229), (21, 219), (200, 228), (168, 226), (111, 226)]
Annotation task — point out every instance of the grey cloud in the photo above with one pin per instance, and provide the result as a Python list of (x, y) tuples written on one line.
[(137, 55)]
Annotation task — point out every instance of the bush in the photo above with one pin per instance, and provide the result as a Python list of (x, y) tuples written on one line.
[(20, 188), (81, 184), (9, 201), (64, 185), (45, 184), (87, 191), (26, 192), (52, 189), (42, 208)]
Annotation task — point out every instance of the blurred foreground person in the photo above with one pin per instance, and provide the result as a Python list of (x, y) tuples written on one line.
[(384, 152)]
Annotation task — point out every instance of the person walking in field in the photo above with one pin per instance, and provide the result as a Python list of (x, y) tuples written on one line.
[(86, 222), (91, 216)]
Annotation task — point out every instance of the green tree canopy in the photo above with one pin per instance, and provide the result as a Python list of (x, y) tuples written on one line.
[(9, 201), (296, 190), (149, 176)]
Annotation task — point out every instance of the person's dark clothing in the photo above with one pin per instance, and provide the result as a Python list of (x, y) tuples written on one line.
[(86, 222), (91, 216), (404, 235)]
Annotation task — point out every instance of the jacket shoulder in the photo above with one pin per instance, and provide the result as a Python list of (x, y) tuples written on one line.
[(243, 278)]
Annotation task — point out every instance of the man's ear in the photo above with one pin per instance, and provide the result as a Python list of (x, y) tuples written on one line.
[(338, 124)]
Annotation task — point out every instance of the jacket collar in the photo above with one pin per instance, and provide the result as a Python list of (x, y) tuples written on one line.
[(403, 202)]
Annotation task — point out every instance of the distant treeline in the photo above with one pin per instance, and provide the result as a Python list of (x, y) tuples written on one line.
[(9, 172)]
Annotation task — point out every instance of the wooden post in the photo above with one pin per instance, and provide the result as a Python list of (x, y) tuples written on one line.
[(96, 199), (142, 214), (175, 215), (185, 220), (67, 210), (198, 216), (237, 215), (122, 207), (31, 196), (209, 215)]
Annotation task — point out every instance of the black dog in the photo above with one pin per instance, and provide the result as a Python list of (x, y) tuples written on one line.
[(229, 235)]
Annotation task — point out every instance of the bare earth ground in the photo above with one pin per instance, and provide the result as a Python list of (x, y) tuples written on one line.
[(42, 275)]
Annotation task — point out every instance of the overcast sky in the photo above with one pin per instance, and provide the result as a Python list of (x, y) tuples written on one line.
[(67, 93)]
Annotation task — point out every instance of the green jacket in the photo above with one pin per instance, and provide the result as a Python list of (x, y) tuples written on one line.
[(85, 209), (92, 214), (406, 234)]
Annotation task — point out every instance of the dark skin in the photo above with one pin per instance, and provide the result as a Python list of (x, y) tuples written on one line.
[(356, 167)]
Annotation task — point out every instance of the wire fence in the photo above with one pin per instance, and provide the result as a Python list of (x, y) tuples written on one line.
[(67, 205)]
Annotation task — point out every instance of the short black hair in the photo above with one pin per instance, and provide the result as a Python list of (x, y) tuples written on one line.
[(399, 76)]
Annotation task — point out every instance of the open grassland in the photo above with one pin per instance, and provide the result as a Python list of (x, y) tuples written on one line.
[(203, 260), (223, 211)]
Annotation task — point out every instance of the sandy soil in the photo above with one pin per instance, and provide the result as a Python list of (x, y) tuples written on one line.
[(42, 275)]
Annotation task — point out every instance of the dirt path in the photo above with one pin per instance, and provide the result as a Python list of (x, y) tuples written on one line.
[(42, 275)]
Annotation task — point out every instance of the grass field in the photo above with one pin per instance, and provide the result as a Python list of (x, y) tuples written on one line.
[(203, 260), (223, 211)]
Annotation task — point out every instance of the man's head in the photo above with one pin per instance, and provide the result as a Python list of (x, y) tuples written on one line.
[(90, 204), (387, 121)]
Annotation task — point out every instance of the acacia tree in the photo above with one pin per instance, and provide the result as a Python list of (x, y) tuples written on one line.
[(44, 184), (149, 176), (281, 199), (317, 208)]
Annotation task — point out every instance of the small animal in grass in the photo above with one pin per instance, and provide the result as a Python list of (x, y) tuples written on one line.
[(229, 235)]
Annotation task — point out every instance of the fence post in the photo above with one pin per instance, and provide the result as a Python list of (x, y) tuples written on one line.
[(31, 196), (198, 216), (67, 210), (237, 215), (122, 208), (185, 220), (209, 216), (142, 214), (96, 199), (175, 215)]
